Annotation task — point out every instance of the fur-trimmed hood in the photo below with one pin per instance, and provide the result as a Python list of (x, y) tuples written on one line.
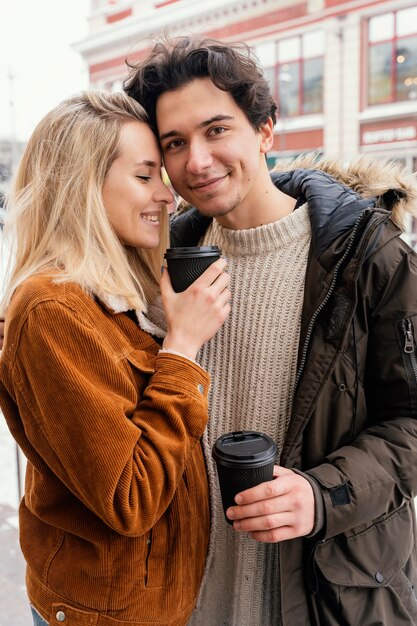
[(369, 178)]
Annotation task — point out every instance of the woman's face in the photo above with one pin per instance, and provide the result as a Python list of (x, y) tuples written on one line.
[(133, 192)]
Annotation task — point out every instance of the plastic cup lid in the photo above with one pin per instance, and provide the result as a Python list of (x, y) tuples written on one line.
[(244, 448), (179, 253)]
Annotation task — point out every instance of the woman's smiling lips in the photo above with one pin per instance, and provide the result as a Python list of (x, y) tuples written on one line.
[(151, 218)]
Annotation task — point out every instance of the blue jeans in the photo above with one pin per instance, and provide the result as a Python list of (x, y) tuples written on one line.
[(38, 619)]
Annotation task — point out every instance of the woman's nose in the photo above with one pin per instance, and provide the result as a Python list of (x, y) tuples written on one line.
[(163, 193)]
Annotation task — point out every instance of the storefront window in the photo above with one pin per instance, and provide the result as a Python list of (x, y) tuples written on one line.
[(266, 53), (294, 68), (288, 89), (381, 27), (392, 58), (380, 82), (313, 85), (406, 61)]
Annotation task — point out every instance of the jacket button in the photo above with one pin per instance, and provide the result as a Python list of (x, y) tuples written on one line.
[(342, 387), (379, 577), (200, 388), (60, 616)]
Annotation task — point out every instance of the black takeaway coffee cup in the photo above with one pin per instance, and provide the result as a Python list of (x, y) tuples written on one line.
[(244, 459), (187, 264)]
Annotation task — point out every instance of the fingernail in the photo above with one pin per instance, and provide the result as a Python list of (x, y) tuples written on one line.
[(238, 499), (230, 513)]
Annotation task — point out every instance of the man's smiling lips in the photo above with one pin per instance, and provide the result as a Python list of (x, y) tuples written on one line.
[(208, 185)]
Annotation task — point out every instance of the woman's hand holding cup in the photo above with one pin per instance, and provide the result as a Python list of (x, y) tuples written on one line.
[(196, 314)]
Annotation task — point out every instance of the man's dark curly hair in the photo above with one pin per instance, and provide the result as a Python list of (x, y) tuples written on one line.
[(173, 63)]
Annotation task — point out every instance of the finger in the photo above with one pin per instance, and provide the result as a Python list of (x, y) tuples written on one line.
[(265, 522), (262, 508), (281, 471), (224, 298), (211, 273), (263, 491), (165, 283), (220, 284), (274, 536)]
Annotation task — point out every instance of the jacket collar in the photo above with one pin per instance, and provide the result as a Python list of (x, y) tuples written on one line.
[(118, 304), (333, 207)]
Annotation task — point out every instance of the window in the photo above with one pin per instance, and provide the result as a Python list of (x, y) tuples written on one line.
[(392, 57), (294, 69)]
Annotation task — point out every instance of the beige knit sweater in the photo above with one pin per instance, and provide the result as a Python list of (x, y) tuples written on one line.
[(252, 362)]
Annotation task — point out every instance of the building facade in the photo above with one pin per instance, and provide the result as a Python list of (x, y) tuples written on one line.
[(344, 72)]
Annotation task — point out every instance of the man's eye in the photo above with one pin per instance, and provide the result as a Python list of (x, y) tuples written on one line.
[(175, 143), (217, 130)]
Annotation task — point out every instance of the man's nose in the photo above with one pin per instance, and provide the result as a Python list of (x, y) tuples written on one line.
[(163, 193), (199, 157)]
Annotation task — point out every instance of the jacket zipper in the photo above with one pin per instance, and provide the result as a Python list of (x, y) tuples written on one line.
[(409, 347), (323, 304)]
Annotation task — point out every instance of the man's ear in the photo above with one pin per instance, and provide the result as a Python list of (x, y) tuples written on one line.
[(266, 132)]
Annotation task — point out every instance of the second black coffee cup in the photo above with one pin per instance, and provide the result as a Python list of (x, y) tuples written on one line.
[(187, 264), (244, 459)]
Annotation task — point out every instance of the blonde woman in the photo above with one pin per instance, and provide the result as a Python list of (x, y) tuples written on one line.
[(114, 522)]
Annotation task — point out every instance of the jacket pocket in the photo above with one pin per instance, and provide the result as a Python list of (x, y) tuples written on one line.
[(369, 578), (157, 551), (142, 361), (140, 366)]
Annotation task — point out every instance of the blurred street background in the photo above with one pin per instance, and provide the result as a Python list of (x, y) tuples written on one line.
[(14, 608), (344, 75)]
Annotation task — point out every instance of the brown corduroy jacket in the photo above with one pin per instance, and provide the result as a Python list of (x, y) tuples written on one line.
[(114, 522)]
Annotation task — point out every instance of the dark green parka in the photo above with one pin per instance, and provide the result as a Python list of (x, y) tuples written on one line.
[(354, 420)]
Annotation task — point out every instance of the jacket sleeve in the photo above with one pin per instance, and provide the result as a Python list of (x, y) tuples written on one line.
[(120, 451), (377, 472)]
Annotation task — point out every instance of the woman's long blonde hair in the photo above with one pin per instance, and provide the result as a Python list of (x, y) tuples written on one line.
[(56, 220)]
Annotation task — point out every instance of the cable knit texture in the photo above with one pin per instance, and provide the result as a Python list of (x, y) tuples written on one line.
[(252, 362)]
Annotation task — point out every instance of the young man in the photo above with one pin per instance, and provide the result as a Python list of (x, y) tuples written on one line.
[(318, 352)]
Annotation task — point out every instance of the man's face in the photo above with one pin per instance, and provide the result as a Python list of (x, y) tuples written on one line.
[(213, 156)]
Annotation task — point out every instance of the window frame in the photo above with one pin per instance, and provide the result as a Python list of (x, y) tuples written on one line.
[(394, 44), (280, 66)]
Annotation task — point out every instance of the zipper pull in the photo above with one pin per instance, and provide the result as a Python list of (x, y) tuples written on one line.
[(408, 338)]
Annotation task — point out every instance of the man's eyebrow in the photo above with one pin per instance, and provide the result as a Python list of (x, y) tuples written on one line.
[(216, 118)]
